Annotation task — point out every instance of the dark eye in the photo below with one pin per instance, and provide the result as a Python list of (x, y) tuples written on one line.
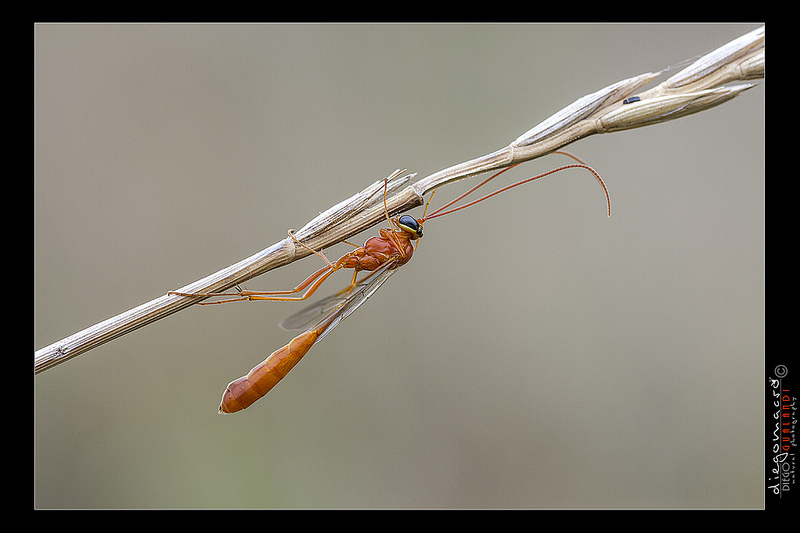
[(410, 224)]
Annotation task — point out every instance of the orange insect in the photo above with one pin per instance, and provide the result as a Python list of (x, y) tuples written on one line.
[(381, 256)]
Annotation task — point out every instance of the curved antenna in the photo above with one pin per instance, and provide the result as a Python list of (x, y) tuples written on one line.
[(580, 164)]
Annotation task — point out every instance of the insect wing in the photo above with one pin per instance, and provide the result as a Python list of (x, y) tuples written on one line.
[(335, 308), (361, 292), (316, 312)]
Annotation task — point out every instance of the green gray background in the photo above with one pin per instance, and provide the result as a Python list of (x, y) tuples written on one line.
[(533, 354)]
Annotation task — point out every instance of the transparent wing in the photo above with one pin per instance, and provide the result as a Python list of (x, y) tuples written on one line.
[(336, 307)]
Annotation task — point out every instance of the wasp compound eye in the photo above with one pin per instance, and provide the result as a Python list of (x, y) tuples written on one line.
[(411, 225)]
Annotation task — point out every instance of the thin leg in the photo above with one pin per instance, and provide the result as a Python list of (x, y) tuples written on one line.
[(313, 251), (241, 295), (312, 283), (391, 224), (264, 295)]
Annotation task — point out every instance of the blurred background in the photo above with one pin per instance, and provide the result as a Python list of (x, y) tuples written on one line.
[(534, 354)]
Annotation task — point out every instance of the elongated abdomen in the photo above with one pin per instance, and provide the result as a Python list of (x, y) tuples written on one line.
[(243, 392)]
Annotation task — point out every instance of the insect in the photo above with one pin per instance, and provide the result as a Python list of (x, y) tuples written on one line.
[(380, 256)]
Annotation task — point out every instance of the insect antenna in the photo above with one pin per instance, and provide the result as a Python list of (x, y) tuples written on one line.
[(579, 164)]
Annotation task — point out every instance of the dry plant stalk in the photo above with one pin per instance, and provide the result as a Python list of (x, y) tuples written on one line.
[(696, 88)]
